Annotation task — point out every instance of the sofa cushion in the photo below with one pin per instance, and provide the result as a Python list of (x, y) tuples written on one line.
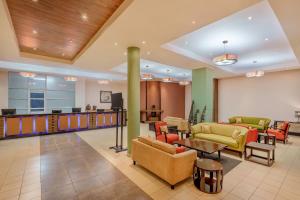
[(168, 148), (236, 134), (251, 126), (238, 120), (218, 138), (206, 129), (196, 128), (146, 140), (261, 123)]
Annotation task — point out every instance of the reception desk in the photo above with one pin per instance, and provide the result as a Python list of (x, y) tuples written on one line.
[(40, 124)]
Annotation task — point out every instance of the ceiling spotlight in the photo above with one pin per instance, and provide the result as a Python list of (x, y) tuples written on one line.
[(103, 82), (84, 17), (186, 42), (70, 78), (125, 53), (70, 41), (116, 44), (168, 70), (193, 22), (184, 82), (266, 39), (254, 61), (34, 48), (34, 32), (143, 42), (148, 53), (250, 18), (35, 0), (63, 54)]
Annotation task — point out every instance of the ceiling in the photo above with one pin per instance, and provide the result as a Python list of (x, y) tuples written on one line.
[(254, 34), (156, 22), (56, 28)]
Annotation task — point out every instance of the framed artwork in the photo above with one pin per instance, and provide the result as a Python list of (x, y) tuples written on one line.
[(105, 96)]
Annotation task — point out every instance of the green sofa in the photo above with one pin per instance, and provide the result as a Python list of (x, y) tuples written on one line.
[(221, 133), (251, 122)]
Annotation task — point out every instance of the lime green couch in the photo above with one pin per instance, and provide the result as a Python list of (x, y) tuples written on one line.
[(251, 122), (221, 133)]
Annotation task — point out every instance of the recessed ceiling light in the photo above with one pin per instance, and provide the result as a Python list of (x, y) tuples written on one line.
[(35, 0), (254, 61), (63, 54), (148, 52), (34, 32), (84, 17), (116, 44), (70, 41), (34, 48), (143, 42), (125, 53), (186, 42), (193, 22), (250, 18), (266, 39)]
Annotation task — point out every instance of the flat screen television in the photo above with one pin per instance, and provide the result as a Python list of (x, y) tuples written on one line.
[(76, 110), (56, 111), (10, 111), (116, 101)]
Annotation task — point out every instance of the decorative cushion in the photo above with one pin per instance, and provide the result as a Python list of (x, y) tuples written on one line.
[(206, 129), (170, 138), (236, 134), (168, 148), (146, 139), (196, 128), (238, 120), (180, 149), (283, 126), (261, 122), (164, 129)]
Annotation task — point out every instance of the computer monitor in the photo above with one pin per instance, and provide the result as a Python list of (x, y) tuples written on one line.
[(56, 111), (76, 110), (10, 111), (116, 101)]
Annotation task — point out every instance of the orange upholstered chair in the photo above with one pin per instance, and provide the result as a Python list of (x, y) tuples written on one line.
[(161, 133), (281, 132)]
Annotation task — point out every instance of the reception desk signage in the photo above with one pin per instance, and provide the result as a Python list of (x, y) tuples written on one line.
[(40, 124)]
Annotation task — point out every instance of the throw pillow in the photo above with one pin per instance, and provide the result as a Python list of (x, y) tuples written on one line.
[(236, 134), (261, 123), (164, 129), (206, 129), (238, 120)]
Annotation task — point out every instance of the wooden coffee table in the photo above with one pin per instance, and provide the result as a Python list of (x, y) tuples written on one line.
[(202, 146), (263, 148)]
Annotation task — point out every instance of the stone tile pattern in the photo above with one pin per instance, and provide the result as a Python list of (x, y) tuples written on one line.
[(71, 169)]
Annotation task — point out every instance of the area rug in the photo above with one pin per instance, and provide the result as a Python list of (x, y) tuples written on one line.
[(227, 162)]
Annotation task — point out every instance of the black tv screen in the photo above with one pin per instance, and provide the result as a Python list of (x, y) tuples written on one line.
[(76, 110), (56, 111), (8, 111), (116, 100)]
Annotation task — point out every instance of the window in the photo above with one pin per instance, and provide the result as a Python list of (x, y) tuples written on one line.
[(37, 101)]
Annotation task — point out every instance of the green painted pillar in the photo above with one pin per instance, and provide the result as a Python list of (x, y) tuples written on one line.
[(133, 79), (202, 92)]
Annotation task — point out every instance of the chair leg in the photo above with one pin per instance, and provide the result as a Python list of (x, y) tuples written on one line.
[(134, 162), (172, 187)]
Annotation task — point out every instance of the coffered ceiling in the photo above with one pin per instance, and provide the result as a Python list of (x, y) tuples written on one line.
[(58, 28)]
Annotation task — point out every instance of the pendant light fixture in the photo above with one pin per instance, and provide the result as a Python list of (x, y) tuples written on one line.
[(226, 58)]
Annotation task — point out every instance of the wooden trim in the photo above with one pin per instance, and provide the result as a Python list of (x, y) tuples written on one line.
[(215, 100)]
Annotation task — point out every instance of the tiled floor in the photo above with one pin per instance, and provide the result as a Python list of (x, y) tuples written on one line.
[(32, 168)]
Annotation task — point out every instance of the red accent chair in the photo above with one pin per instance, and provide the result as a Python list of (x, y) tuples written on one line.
[(281, 132), (163, 136), (252, 135)]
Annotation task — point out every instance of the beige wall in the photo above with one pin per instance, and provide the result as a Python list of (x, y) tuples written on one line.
[(3, 89), (275, 95), (92, 92), (188, 100)]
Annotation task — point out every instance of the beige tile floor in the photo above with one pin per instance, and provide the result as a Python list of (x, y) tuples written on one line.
[(20, 172)]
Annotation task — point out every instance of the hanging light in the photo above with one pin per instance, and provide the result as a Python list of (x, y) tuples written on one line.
[(184, 82), (146, 77), (70, 78), (255, 74), (28, 74), (103, 82), (226, 58), (167, 80)]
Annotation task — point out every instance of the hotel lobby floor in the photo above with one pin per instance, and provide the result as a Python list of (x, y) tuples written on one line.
[(30, 167)]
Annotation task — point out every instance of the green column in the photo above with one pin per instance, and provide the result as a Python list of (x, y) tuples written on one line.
[(133, 79), (202, 91)]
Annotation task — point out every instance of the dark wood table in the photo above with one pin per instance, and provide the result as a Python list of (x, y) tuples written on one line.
[(202, 146), (267, 138), (215, 178), (260, 147)]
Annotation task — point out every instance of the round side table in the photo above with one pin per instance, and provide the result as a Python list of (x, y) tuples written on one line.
[(208, 176)]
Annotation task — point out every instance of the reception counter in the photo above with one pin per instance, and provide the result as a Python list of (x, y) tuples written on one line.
[(12, 126)]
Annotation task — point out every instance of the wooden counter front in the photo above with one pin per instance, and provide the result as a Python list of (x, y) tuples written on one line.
[(25, 125)]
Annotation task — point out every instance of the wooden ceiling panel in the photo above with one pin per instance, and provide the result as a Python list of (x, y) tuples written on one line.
[(58, 28)]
